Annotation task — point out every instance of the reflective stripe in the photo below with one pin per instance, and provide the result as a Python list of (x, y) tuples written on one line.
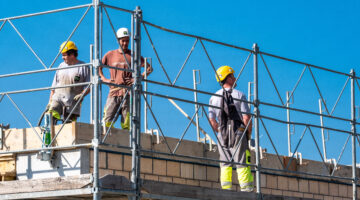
[(55, 114), (126, 124), (226, 177), (243, 185)]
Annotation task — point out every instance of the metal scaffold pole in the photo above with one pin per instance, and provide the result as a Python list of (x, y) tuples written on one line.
[(96, 64), (135, 129), (353, 128), (256, 119)]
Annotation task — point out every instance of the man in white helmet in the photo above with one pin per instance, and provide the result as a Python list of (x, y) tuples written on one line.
[(230, 122), (120, 58), (63, 100)]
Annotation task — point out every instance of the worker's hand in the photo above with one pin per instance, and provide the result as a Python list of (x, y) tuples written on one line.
[(77, 97), (48, 106)]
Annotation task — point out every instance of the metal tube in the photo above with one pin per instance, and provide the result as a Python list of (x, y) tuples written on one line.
[(44, 88), (47, 148), (145, 105), (288, 125), (256, 120), (137, 87), (322, 130), (96, 64), (117, 8), (92, 86), (196, 107), (353, 139)]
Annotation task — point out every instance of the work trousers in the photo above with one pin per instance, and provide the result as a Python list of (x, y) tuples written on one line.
[(112, 107)]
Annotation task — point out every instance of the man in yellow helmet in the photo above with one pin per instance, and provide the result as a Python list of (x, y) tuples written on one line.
[(119, 58), (230, 122), (63, 100)]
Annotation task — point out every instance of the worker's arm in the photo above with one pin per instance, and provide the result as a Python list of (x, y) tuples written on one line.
[(214, 124), (247, 120), (101, 74)]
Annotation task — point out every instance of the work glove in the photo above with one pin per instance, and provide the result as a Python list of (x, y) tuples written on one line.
[(77, 97)]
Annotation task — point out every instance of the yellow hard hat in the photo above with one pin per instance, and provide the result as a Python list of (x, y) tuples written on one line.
[(223, 72), (70, 45)]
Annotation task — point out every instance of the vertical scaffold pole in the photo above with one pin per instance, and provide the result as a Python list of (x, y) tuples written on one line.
[(256, 120), (135, 129), (96, 64), (353, 128), (288, 125)]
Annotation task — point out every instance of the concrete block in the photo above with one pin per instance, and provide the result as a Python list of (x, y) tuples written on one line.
[(293, 184), (102, 159), (123, 173), (115, 161), (303, 185), (146, 165), (334, 189), (350, 191), (283, 183), (276, 192), (165, 179), (212, 174), (216, 185), (324, 188), (265, 191), (127, 163), (103, 172), (173, 168), (235, 179), (317, 196), (151, 177), (199, 172), (309, 196), (205, 184), (314, 187), (271, 181), (328, 198), (292, 194), (262, 180), (179, 180), (187, 170), (192, 182), (343, 190), (159, 167), (65, 163)]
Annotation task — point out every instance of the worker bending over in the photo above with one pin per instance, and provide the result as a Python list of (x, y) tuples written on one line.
[(63, 100), (119, 58), (230, 122)]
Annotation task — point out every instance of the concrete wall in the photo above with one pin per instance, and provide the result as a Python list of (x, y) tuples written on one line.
[(190, 171)]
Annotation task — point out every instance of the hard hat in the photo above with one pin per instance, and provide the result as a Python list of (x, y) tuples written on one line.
[(223, 72), (122, 32), (70, 45)]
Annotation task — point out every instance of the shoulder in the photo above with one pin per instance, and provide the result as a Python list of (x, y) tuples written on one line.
[(238, 93), (109, 53)]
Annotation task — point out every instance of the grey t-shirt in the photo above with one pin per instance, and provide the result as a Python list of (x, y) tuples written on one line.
[(216, 101), (67, 77)]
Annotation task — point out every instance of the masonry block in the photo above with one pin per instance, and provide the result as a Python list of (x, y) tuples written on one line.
[(187, 170), (350, 191), (127, 163), (173, 168), (199, 172), (146, 165), (271, 181), (314, 187), (151, 177), (283, 183), (334, 189), (317, 196), (324, 188), (303, 185), (216, 185), (205, 184), (265, 191), (328, 198), (192, 182), (235, 179), (262, 180), (102, 159), (292, 194), (276, 192), (343, 190), (309, 196), (179, 180), (115, 161), (293, 184), (103, 172), (123, 173), (159, 167), (212, 174), (165, 179)]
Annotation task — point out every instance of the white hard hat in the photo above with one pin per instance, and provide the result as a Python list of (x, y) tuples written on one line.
[(122, 32)]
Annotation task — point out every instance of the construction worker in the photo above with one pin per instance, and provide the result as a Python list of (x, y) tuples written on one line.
[(230, 122), (63, 100), (119, 58)]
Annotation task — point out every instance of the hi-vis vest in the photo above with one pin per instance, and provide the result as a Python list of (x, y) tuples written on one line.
[(229, 120)]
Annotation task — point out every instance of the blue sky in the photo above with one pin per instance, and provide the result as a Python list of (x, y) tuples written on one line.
[(323, 33)]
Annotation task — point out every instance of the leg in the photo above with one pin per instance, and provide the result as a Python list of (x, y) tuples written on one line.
[(56, 110), (125, 114), (110, 109), (225, 168)]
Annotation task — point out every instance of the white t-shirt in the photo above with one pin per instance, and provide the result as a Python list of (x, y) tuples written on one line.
[(236, 94)]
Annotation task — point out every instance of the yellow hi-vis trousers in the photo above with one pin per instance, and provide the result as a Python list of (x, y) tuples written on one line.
[(244, 174)]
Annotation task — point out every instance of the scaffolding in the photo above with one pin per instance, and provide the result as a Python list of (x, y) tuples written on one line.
[(138, 94)]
